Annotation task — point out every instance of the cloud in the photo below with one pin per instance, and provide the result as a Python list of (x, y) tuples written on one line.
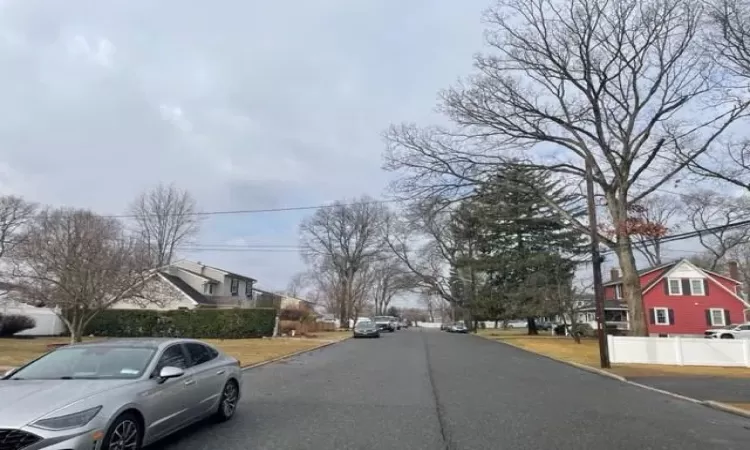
[(245, 104)]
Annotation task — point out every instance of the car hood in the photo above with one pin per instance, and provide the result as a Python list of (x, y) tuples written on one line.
[(24, 401)]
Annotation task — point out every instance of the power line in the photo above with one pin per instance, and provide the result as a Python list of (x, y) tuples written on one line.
[(266, 210)]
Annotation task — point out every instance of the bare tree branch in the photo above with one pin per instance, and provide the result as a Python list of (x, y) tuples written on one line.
[(165, 219), (79, 264)]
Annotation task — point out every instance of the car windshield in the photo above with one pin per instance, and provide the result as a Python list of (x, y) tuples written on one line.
[(88, 362), (365, 324)]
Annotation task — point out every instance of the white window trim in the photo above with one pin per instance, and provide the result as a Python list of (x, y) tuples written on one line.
[(703, 287), (618, 291), (656, 316), (723, 317), (679, 284)]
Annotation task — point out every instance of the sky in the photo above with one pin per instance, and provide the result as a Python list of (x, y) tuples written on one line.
[(246, 104)]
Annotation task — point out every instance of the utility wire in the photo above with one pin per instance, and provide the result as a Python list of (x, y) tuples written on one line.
[(261, 211)]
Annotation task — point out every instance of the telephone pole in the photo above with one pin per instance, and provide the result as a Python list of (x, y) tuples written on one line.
[(596, 262)]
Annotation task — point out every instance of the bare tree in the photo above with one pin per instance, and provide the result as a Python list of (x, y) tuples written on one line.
[(344, 239), (165, 218), (79, 264), (429, 302), (15, 215), (422, 241), (711, 212), (297, 284), (571, 83), (661, 210), (389, 278)]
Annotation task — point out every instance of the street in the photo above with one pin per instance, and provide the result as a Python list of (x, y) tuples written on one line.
[(420, 389)]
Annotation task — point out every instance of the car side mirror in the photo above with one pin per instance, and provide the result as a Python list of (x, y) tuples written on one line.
[(170, 372)]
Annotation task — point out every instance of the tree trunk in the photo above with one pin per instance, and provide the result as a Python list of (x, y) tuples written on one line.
[(631, 284), (531, 323)]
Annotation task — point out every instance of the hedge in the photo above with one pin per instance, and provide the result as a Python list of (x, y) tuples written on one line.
[(200, 323)]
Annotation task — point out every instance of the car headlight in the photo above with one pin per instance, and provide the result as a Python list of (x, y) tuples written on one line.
[(75, 420)]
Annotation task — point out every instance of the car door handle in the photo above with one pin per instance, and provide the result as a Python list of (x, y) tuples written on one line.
[(189, 382), (221, 372)]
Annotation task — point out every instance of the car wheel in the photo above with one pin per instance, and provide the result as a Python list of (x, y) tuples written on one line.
[(126, 433), (229, 398)]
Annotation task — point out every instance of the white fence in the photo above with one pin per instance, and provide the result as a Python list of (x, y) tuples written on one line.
[(47, 322), (679, 351)]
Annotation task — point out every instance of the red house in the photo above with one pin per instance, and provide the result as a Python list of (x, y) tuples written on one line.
[(682, 299)]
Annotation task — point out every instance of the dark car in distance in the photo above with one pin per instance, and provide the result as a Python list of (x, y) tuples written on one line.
[(385, 323), (366, 328)]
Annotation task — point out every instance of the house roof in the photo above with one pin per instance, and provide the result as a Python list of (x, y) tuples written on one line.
[(608, 304), (196, 296), (643, 272), (226, 272), (208, 279)]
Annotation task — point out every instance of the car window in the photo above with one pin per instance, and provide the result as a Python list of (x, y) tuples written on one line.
[(199, 353), (173, 356), (94, 362)]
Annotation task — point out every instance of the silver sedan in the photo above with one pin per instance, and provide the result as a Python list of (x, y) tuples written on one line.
[(115, 394)]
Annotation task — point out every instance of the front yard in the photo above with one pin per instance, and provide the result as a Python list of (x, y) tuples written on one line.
[(587, 352), (14, 352)]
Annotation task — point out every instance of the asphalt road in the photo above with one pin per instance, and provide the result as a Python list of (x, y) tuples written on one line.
[(420, 389)]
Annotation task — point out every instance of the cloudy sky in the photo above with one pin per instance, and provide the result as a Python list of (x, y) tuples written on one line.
[(247, 104)]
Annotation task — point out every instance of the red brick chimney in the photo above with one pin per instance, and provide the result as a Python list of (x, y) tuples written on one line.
[(734, 270), (614, 274)]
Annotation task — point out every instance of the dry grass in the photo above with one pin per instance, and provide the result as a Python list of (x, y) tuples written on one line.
[(14, 352), (587, 352), (745, 406)]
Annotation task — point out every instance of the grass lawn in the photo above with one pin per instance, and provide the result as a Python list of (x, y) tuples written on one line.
[(745, 406), (14, 352), (587, 352)]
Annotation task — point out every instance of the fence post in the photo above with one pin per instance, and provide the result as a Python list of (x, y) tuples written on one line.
[(678, 350), (746, 352), (611, 348)]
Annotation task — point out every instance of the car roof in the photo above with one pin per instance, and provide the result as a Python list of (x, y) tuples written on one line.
[(149, 342)]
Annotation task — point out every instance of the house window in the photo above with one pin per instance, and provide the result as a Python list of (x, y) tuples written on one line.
[(618, 292), (208, 288), (248, 289), (675, 286), (696, 287), (661, 316), (717, 317), (235, 286)]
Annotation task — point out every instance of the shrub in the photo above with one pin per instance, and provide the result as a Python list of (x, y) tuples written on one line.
[(15, 323), (200, 323)]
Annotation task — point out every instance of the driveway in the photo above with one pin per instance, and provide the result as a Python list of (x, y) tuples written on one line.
[(421, 389)]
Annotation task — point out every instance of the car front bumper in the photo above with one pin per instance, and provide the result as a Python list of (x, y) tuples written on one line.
[(373, 333), (87, 438)]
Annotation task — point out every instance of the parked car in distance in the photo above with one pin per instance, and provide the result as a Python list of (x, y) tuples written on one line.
[(737, 331), (385, 323), (116, 394), (458, 327), (366, 329), (396, 322), (544, 325)]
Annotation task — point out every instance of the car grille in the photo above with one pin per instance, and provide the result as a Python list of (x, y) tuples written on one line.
[(16, 439)]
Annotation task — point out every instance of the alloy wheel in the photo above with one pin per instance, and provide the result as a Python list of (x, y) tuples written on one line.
[(125, 436)]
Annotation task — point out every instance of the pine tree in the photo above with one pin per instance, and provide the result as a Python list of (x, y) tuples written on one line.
[(520, 245)]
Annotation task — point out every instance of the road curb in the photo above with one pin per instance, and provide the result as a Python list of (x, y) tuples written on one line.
[(719, 406), (726, 408), (291, 355)]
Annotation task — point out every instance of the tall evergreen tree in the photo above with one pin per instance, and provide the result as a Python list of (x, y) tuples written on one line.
[(519, 244)]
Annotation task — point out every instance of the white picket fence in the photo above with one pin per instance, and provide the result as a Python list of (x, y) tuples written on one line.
[(679, 351)]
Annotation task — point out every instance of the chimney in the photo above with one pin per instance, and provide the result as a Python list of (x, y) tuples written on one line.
[(734, 270), (614, 274)]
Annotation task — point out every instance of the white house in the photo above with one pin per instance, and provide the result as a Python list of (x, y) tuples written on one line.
[(188, 285)]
